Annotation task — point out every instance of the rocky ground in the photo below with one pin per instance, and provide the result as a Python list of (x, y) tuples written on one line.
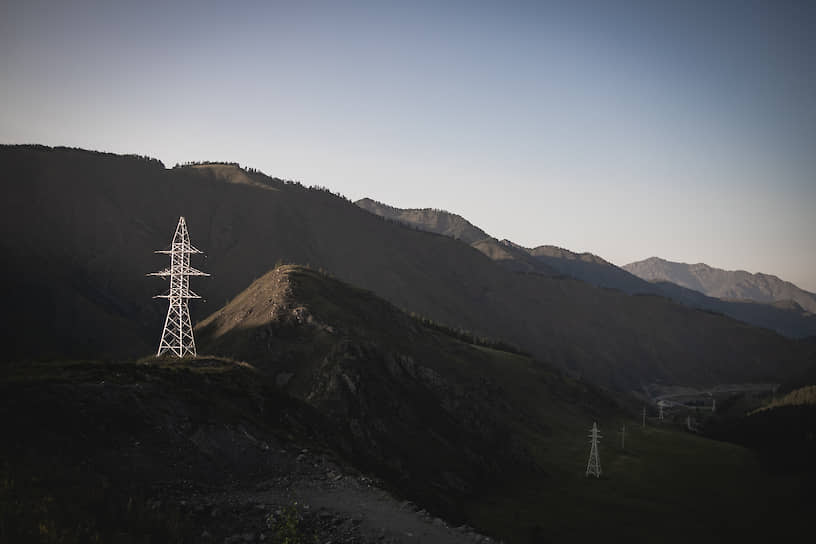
[(313, 499), (165, 453)]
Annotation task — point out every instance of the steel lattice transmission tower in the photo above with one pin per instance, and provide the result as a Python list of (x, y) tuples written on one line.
[(594, 463), (177, 336)]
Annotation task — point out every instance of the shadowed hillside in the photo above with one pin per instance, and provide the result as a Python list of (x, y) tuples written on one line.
[(85, 225), (423, 409), (786, 318), (489, 437)]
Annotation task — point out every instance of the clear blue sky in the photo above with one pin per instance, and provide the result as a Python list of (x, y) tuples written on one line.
[(685, 130)]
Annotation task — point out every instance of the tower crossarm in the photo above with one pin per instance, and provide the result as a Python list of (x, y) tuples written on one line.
[(190, 271), (187, 271), (188, 294), (182, 249)]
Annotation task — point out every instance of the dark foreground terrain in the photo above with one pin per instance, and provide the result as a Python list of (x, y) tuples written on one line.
[(196, 451), (205, 451), (355, 422)]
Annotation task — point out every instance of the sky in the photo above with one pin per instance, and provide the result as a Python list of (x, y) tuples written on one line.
[(684, 130)]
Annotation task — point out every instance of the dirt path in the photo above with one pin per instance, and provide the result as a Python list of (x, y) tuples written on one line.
[(318, 502)]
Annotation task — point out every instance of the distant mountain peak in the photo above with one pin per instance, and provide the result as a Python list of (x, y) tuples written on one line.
[(725, 284), (234, 173), (510, 243)]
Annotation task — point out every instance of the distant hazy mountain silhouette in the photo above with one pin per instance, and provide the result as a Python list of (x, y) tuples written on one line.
[(725, 284), (784, 316)]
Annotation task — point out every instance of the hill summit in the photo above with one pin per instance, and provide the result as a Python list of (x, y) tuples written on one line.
[(428, 219)]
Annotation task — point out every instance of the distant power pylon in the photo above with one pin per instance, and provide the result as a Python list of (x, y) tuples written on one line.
[(660, 405), (177, 336), (691, 424), (594, 463)]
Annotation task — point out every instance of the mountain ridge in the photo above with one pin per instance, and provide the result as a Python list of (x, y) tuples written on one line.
[(438, 221), (785, 318), (724, 284), (100, 217)]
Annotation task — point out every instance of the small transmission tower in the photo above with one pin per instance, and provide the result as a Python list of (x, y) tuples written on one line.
[(177, 337), (594, 463)]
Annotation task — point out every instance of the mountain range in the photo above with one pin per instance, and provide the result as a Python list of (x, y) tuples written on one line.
[(766, 301), (84, 225)]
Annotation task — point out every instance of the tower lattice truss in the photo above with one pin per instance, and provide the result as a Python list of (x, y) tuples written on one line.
[(594, 463), (177, 336)]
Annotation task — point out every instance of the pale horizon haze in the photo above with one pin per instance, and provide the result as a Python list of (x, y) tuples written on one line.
[(683, 130)]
